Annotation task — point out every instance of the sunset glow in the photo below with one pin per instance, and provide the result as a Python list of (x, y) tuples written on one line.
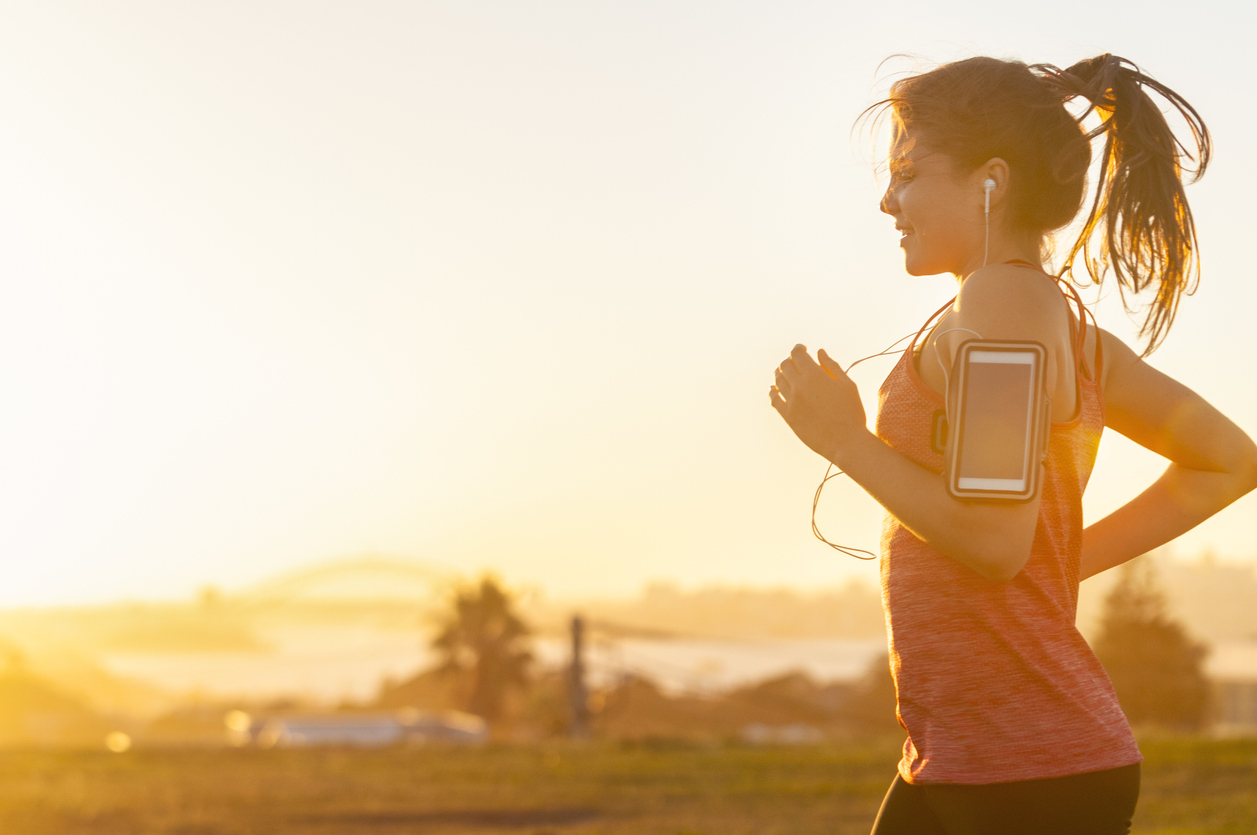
[(490, 285)]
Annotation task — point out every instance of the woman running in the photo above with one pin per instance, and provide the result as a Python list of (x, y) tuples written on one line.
[(1013, 726)]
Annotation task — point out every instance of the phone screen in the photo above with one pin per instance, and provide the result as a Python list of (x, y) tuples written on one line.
[(997, 424)]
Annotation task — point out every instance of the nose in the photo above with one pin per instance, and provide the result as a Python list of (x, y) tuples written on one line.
[(890, 203)]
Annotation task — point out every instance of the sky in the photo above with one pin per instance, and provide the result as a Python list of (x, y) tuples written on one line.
[(496, 285)]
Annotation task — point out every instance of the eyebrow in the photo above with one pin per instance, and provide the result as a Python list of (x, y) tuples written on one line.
[(914, 157)]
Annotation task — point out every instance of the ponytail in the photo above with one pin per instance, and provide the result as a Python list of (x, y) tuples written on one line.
[(1140, 225)]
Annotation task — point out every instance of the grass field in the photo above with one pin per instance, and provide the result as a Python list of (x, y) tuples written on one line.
[(1190, 786)]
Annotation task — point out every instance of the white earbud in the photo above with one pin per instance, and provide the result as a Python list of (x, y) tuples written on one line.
[(988, 186)]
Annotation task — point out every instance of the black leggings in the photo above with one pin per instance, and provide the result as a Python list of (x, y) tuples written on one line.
[(1096, 803)]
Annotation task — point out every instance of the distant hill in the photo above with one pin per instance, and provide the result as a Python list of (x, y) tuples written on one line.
[(34, 712), (1217, 601), (663, 610)]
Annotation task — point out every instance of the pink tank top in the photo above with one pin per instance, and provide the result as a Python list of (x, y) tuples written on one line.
[(994, 681)]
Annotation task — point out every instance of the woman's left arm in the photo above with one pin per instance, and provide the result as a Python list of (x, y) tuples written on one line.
[(1212, 461)]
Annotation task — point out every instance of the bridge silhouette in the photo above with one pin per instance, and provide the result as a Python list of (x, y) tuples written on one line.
[(425, 578)]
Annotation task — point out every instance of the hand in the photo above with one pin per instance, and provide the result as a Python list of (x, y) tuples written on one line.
[(818, 401)]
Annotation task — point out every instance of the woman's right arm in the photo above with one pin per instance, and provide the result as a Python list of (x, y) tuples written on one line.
[(1212, 461)]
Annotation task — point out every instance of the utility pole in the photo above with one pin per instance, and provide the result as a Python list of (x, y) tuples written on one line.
[(578, 696)]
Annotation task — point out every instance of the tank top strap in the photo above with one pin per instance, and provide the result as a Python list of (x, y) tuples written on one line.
[(1080, 343), (1078, 332), (912, 346), (1099, 347)]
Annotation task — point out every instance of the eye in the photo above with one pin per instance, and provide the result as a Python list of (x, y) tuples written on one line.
[(901, 169)]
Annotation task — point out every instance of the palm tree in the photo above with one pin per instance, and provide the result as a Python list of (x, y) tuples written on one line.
[(482, 642)]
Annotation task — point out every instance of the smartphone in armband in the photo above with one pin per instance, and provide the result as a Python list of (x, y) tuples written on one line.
[(999, 419)]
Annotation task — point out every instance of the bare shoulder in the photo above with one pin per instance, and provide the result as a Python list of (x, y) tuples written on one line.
[(1005, 301), (1017, 304)]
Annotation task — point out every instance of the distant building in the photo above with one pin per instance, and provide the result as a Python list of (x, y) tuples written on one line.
[(796, 734), (1232, 667), (1236, 708), (442, 726), (330, 730), (355, 730)]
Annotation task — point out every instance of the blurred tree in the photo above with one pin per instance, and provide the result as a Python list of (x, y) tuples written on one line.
[(871, 702), (483, 643), (1155, 666)]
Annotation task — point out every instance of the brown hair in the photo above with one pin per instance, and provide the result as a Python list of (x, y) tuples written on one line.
[(1139, 225)]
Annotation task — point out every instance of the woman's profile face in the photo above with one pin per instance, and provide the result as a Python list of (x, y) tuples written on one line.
[(938, 211)]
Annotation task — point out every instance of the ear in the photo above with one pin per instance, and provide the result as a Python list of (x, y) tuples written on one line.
[(995, 168)]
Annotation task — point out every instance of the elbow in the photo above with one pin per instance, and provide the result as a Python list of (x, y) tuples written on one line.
[(1240, 470), (1005, 551), (1246, 467), (995, 549), (993, 538), (1003, 571), (998, 564)]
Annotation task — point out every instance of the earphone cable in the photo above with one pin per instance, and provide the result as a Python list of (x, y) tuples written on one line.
[(938, 355), (831, 473)]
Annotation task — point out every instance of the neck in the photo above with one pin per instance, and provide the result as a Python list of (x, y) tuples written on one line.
[(1002, 250)]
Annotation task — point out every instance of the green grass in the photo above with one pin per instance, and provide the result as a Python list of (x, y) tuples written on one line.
[(1190, 786), (1193, 786)]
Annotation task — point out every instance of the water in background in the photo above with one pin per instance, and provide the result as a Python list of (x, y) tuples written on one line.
[(331, 664)]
